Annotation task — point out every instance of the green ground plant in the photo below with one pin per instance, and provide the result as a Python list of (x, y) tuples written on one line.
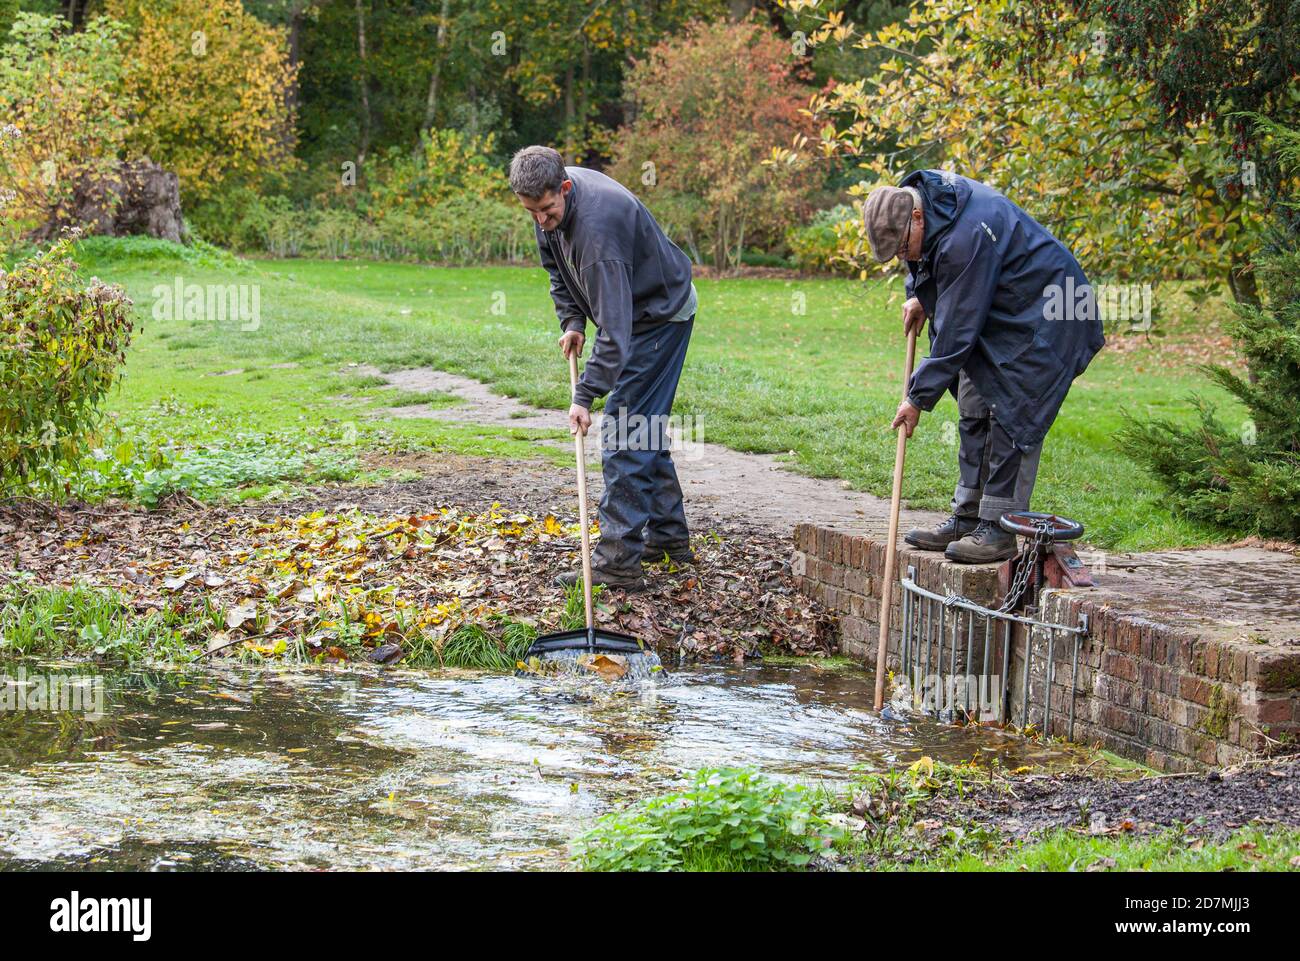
[(1246, 849), (891, 826), (728, 819), (497, 646)]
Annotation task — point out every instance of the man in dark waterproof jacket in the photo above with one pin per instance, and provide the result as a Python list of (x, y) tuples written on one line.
[(1013, 322), (610, 261)]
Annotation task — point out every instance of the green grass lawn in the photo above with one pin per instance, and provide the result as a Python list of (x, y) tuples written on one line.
[(808, 366)]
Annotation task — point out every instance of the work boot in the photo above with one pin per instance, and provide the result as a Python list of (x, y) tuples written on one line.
[(623, 580), (937, 538), (985, 544), (680, 554)]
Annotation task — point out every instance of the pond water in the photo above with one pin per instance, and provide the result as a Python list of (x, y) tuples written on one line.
[(308, 769)]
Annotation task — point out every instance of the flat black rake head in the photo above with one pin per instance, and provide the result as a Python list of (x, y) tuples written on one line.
[(593, 640)]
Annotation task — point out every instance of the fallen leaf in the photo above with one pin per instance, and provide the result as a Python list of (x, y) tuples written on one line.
[(610, 667), (238, 616)]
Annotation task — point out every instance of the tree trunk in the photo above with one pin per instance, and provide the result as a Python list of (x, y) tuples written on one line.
[(295, 47), (739, 9), (585, 93), (568, 114), (363, 83), (722, 242), (1245, 291), (1241, 281), (431, 102)]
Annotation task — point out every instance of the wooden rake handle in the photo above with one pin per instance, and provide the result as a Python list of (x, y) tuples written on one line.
[(580, 448), (887, 588)]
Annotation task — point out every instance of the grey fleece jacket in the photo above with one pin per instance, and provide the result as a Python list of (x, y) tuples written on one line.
[(610, 261)]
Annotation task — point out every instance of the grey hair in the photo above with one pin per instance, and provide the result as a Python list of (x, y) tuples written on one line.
[(536, 171), (916, 197)]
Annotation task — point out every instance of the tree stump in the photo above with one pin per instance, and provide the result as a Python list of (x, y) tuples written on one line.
[(139, 198)]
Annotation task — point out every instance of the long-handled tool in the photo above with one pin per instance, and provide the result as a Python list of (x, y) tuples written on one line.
[(591, 640), (887, 589)]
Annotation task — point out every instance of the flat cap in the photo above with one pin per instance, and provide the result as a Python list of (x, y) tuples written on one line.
[(885, 215)]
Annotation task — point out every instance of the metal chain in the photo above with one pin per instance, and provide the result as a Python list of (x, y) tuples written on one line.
[(1042, 535), (1042, 532)]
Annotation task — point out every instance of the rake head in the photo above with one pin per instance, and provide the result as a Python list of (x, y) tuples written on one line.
[(607, 654)]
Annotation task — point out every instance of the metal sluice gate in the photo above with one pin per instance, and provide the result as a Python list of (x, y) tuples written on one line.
[(968, 634)]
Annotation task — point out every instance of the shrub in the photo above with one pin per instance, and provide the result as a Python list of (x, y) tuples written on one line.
[(449, 203), (212, 85), (237, 217), (729, 819), (711, 105), (449, 164), (816, 246), (62, 345), (460, 230)]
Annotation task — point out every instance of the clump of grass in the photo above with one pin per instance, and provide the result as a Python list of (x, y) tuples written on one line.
[(575, 607), (497, 646), (84, 621), (729, 819)]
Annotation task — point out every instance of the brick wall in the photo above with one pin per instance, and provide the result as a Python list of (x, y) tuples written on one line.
[(1165, 696)]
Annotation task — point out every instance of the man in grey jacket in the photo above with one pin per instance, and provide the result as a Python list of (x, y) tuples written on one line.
[(609, 261)]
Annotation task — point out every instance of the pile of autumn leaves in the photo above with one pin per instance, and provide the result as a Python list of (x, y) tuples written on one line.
[(343, 586), (350, 585)]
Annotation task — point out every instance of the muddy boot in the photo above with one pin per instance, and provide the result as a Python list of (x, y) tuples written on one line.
[(602, 577), (938, 538), (984, 545), (679, 554)]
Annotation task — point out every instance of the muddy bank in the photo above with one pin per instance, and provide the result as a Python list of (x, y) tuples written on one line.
[(1212, 804)]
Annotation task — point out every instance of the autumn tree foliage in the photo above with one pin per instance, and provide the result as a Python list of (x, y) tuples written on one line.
[(64, 120), (1215, 59), (1245, 473), (209, 83), (1201, 65), (1082, 150), (1233, 65), (710, 105), (570, 55)]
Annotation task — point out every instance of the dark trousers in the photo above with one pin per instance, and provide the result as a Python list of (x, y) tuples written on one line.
[(642, 503), (996, 476)]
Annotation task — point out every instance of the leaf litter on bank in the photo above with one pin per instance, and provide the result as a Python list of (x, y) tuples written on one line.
[(450, 586)]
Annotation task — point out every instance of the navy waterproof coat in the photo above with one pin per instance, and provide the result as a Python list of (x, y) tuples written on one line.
[(1007, 303)]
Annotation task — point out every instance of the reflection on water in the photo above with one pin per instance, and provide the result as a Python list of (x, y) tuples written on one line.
[(317, 769)]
